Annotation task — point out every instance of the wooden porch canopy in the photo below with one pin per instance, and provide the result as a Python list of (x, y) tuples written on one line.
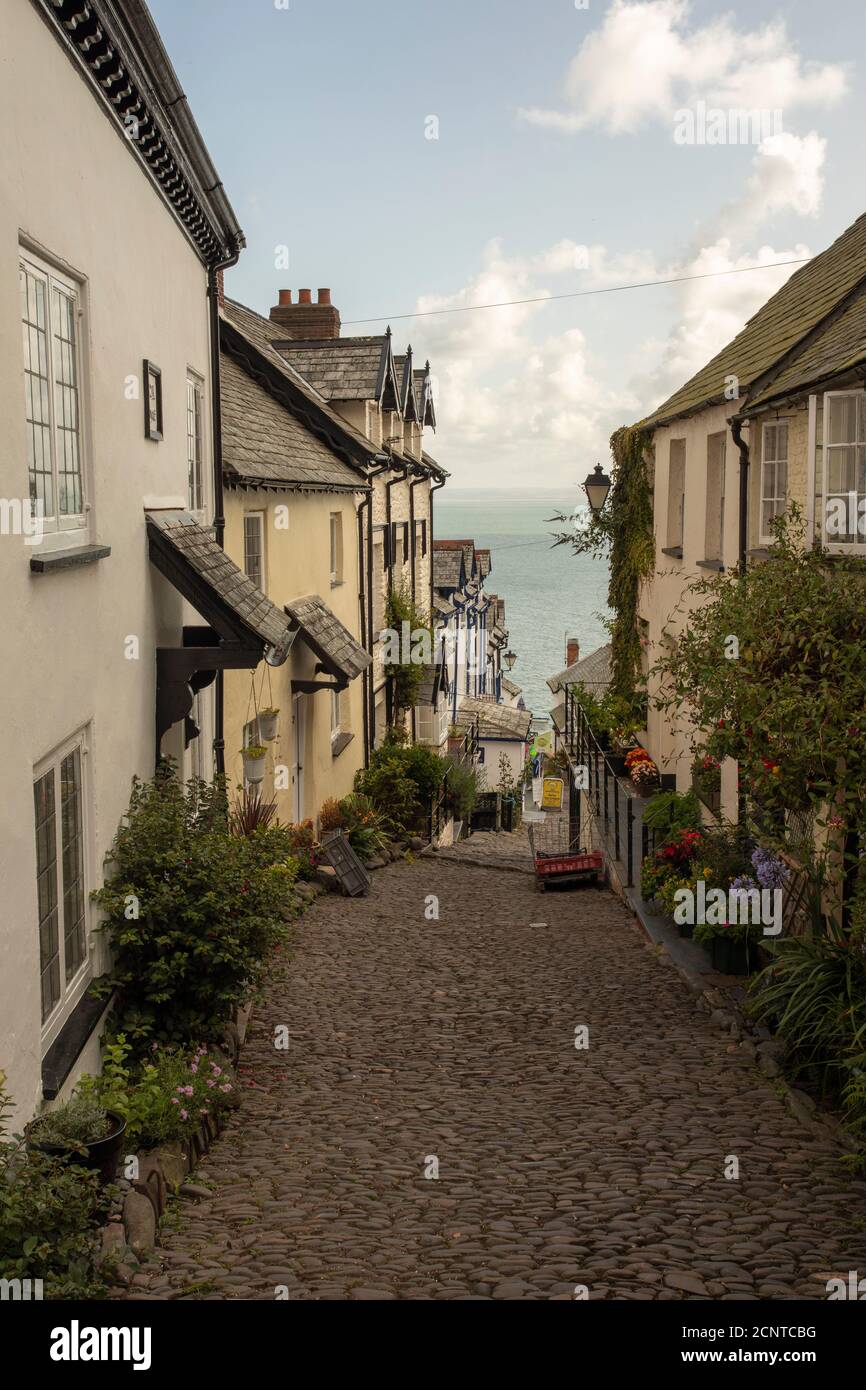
[(244, 626)]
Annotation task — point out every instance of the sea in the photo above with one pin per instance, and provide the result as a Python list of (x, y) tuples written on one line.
[(550, 593)]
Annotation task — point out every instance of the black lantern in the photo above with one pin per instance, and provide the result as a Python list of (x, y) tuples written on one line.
[(509, 658), (596, 487)]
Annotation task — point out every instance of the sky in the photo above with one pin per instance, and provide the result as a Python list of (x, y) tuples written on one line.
[(418, 155)]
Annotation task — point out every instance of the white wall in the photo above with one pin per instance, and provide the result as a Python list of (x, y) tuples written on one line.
[(72, 185)]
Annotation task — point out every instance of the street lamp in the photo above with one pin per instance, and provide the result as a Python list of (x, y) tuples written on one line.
[(509, 658), (597, 487)]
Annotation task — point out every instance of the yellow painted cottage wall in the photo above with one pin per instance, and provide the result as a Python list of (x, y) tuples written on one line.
[(297, 562)]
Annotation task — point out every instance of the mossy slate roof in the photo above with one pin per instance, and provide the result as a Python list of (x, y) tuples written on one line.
[(837, 348), (794, 311), (264, 445)]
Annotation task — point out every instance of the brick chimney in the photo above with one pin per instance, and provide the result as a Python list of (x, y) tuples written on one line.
[(306, 319), (572, 651)]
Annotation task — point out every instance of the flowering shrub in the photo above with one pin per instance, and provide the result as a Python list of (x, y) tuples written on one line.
[(164, 1097), (641, 768)]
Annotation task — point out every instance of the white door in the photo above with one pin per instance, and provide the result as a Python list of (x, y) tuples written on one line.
[(298, 744)]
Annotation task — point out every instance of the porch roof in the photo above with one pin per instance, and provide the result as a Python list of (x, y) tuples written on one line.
[(200, 570), (494, 721), (325, 635), (594, 672)]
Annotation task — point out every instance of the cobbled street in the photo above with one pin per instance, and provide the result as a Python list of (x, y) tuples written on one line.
[(414, 1040)]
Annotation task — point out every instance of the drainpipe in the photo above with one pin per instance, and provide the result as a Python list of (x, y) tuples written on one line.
[(219, 521), (433, 487), (736, 434), (401, 478), (362, 623), (370, 675), (743, 546)]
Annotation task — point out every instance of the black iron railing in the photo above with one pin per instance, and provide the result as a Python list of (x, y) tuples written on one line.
[(611, 798)]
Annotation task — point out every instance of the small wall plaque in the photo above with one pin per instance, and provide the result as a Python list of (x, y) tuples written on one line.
[(152, 401)]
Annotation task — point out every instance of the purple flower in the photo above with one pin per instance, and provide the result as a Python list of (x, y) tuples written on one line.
[(770, 870)]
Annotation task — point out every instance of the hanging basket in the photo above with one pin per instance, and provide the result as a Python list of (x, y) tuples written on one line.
[(254, 764), (268, 724)]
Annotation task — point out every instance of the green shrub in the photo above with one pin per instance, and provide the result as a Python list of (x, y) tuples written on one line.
[(193, 912), (49, 1214), (406, 675), (364, 825), (164, 1098), (668, 812), (465, 781), (390, 788)]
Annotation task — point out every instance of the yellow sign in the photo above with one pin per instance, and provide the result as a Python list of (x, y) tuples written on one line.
[(551, 794), (543, 742)]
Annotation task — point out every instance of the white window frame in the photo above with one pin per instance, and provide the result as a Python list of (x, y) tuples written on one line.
[(835, 547), (196, 495), (676, 516), (335, 525), (767, 537), (71, 528), (71, 991), (259, 518)]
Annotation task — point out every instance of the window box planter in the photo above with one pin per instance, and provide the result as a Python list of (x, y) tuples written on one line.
[(268, 724), (732, 957), (99, 1154), (254, 763)]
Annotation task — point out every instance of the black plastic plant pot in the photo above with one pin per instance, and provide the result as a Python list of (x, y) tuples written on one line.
[(730, 957), (686, 929), (101, 1155)]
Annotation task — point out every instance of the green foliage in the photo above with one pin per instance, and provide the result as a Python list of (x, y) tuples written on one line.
[(814, 992), (465, 781), (667, 812), (163, 1098), (400, 781), (49, 1212), (406, 674), (791, 706), (366, 828), (617, 717), (193, 912), (623, 533), (81, 1121)]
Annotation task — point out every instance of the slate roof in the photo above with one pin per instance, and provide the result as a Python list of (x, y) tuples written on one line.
[(447, 567), (341, 369), (812, 292), (434, 678), (323, 632), (258, 334), (511, 686), (468, 549), (406, 377), (196, 550), (484, 563), (594, 672), (494, 721), (440, 604), (834, 349), (263, 443)]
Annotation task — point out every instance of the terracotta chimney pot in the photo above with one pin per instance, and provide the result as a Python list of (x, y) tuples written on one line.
[(305, 296)]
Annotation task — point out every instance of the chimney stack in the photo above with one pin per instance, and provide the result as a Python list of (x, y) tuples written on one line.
[(306, 319), (572, 651)]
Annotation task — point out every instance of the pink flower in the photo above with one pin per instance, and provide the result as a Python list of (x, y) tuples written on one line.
[(154, 1047), (187, 1090), (217, 1071), (211, 1083), (175, 1101), (184, 1114), (226, 1087), (194, 1069)]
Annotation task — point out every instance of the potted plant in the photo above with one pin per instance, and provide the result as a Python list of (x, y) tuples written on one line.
[(642, 770), (254, 762), (268, 724), (83, 1131)]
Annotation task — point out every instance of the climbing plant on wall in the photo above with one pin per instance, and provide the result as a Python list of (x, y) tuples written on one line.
[(623, 534)]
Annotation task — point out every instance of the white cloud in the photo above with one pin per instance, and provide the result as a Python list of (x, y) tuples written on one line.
[(644, 62)]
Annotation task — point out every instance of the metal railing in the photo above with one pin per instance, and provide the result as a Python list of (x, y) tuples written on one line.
[(615, 805)]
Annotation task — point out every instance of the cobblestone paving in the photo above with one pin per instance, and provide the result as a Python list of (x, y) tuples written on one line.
[(558, 1167)]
